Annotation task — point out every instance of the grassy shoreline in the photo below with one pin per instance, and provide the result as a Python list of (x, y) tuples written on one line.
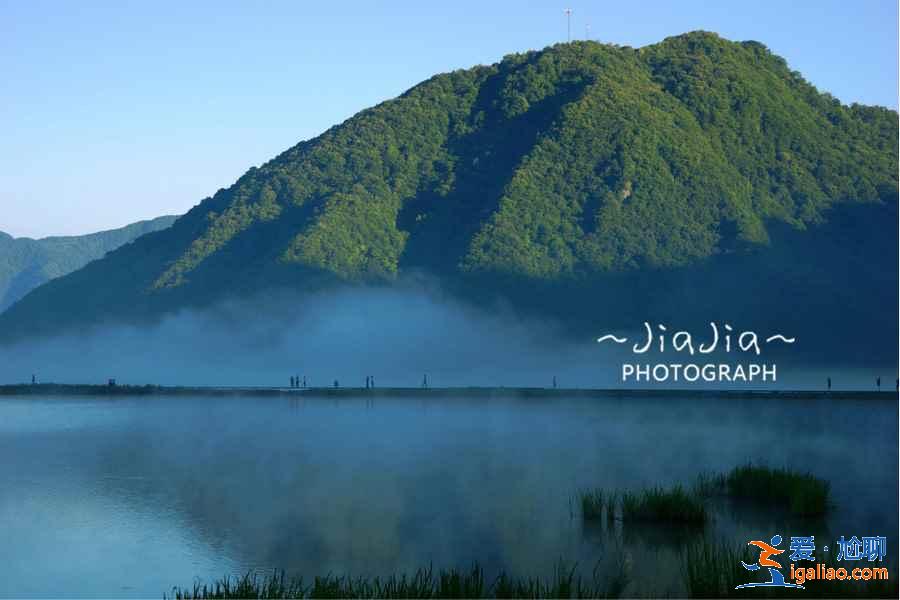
[(423, 583)]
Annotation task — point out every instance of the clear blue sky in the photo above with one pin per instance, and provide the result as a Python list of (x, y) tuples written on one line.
[(118, 111)]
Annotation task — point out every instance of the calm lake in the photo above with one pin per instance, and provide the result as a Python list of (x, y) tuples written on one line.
[(130, 496)]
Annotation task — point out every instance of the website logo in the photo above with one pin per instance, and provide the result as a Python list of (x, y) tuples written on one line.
[(803, 548), (766, 551)]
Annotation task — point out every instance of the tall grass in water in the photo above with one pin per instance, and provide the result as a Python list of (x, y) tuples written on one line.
[(564, 584), (592, 503), (673, 506), (422, 584), (709, 484), (248, 586), (713, 570), (597, 502), (611, 501), (803, 494)]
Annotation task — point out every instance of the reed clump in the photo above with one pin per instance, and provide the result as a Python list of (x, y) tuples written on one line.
[(592, 504), (710, 484), (674, 505), (802, 493), (597, 504)]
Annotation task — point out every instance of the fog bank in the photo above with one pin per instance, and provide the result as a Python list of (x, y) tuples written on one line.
[(395, 335)]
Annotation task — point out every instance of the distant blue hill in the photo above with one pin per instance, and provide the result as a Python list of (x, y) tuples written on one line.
[(26, 263)]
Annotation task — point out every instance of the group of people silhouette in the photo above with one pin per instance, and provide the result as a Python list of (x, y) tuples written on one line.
[(296, 382)]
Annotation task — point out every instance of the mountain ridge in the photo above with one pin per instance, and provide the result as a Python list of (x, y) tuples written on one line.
[(572, 166)]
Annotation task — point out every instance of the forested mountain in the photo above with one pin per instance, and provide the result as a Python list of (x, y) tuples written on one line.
[(576, 180), (26, 263)]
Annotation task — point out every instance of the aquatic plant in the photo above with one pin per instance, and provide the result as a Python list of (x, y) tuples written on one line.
[(802, 493), (713, 570), (248, 586), (596, 503), (592, 503), (453, 583), (709, 484), (674, 505), (611, 501), (562, 585)]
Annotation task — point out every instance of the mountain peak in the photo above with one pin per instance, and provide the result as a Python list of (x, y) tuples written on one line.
[(565, 166)]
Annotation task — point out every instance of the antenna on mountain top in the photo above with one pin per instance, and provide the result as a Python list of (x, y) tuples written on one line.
[(568, 12)]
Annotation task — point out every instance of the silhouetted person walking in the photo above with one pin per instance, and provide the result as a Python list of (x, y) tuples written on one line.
[(33, 380), (372, 379), (367, 382), (336, 383), (292, 381), (554, 382), (304, 381), (829, 384), (878, 382), (424, 381)]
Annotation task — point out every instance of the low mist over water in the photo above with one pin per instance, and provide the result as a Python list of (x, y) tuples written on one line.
[(396, 335)]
